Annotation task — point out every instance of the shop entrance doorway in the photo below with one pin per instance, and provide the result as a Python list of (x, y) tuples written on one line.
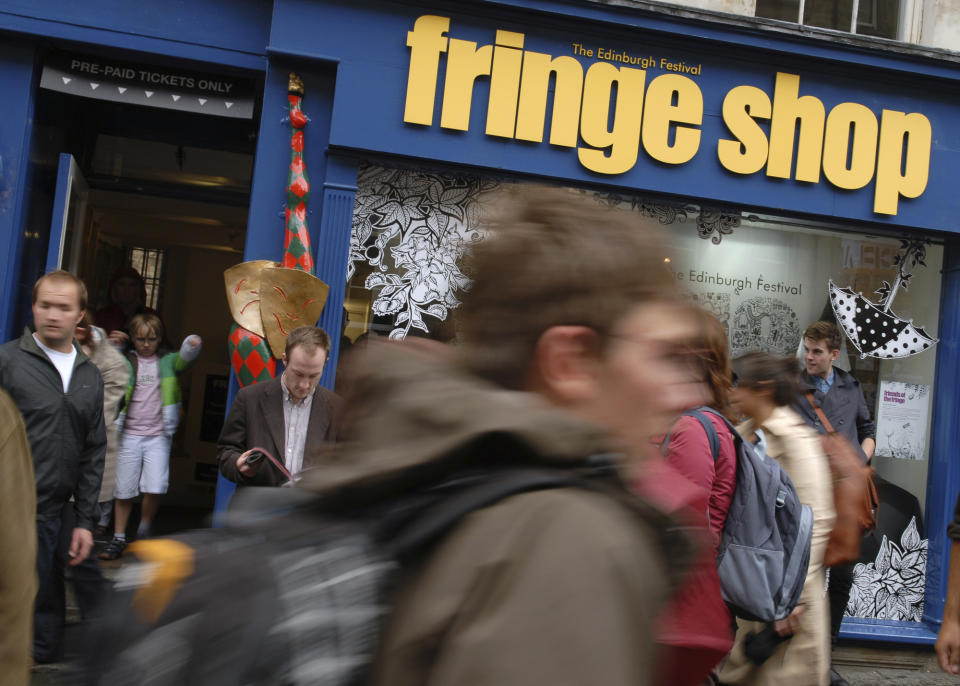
[(166, 193)]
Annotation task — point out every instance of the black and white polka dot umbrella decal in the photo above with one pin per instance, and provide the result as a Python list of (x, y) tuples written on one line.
[(873, 331)]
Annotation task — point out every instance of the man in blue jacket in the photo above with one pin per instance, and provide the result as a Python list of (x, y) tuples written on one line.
[(839, 395), (59, 392)]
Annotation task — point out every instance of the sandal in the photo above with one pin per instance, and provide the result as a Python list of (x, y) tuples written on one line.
[(113, 550)]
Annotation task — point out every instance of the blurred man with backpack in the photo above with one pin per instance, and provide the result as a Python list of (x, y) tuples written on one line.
[(574, 351)]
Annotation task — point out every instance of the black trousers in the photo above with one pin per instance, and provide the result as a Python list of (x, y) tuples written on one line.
[(49, 612), (841, 581)]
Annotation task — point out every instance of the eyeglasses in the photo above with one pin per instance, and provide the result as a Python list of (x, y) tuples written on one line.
[(145, 341)]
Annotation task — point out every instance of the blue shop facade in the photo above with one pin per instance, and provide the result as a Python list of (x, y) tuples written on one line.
[(777, 165)]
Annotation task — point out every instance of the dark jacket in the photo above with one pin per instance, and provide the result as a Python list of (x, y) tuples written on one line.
[(66, 431), (560, 586), (844, 406), (256, 420)]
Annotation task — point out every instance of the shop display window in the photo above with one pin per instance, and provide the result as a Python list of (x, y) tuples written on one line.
[(764, 277), (766, 281), (410, 230)]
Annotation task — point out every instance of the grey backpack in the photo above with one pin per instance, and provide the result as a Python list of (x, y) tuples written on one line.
[(288, 593), (765, 549)]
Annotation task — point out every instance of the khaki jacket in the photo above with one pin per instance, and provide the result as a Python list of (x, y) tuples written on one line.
[(115, 372), (804, 659), (558, 587), (18, 540)]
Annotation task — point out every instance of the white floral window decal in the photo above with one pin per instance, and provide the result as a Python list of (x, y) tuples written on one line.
[(891, 587), (410, 229)]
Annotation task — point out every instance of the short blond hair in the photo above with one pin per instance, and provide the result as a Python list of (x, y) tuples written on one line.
[(146, 320)]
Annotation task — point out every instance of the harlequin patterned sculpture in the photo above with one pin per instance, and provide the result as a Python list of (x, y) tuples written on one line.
[(268, 300), (296, 253)]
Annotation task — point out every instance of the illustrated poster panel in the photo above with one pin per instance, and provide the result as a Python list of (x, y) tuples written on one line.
[(902, 411)]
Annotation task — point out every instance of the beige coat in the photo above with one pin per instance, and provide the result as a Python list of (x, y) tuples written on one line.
[(804, 659), (18, 541), (116, 375), (558, 587)]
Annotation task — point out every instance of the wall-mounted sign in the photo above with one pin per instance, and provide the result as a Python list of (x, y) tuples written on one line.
[(150, 85), (609, 111), (639, 103)]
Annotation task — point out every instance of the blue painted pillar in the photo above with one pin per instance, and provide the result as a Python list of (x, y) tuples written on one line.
[(339, 192), (18, 83), (943, 474)]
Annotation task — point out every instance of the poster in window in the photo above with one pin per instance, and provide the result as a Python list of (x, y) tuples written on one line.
[(902, 411)]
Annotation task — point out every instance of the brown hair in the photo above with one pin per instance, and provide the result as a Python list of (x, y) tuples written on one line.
[(553, 257), (824, 331), (713, 350), (782, 374), (308, 337), (63, 275), (146, 320), (86, 323)]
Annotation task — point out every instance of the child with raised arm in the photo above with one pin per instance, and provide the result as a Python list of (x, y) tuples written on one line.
[(146, 426)]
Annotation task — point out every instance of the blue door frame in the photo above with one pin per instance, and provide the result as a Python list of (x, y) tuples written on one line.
[(18, 83)]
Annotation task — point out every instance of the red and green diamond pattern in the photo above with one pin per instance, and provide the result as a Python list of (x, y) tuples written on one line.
[(250, 357), (296, 254)]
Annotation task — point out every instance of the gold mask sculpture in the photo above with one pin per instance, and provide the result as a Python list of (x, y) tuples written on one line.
[(271, 300), (243, 293), (289, 298)]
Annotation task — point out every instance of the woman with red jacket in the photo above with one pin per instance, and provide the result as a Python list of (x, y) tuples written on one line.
[(696, 628)]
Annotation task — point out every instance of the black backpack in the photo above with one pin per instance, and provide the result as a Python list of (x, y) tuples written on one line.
[(765, 548), (285, 594)]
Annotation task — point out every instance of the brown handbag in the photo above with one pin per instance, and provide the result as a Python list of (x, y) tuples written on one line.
[(855, 496)]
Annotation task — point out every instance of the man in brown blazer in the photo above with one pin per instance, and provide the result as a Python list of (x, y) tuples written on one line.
[(291, 416)]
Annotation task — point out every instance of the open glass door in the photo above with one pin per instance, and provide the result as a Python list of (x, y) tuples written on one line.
[(68, 228)]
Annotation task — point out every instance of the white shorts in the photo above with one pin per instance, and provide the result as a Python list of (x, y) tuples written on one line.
[(143, 465)]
